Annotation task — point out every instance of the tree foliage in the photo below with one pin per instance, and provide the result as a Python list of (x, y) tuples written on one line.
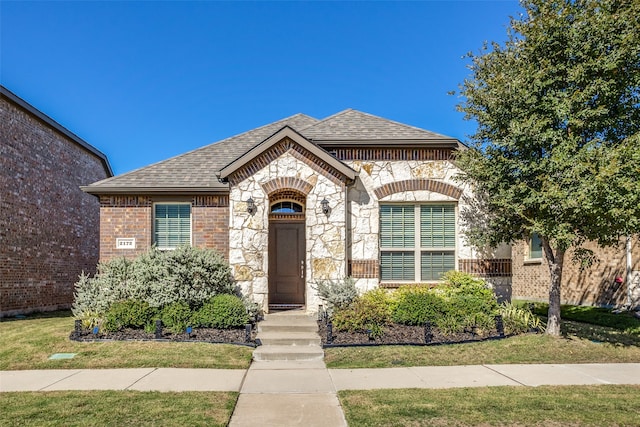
[(558, 140)]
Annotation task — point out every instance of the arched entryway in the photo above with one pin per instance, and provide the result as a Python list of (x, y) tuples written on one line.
[(287, 250)]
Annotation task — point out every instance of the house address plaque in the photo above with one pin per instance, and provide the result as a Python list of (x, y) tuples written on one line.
[(126, 243)]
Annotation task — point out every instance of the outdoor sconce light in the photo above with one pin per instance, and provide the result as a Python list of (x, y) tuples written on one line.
[(325, 206), (251, 206)]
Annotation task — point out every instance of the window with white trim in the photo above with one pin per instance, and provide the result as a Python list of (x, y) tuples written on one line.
[(417, 242), (171, 225)]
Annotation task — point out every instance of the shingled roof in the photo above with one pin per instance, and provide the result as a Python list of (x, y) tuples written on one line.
[(358, 127), (196, 171)]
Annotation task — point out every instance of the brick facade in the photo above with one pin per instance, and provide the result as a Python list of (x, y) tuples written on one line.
[(132, 217), (593, 286), (48, 226)]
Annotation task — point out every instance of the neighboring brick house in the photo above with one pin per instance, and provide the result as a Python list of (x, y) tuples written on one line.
[(303, 200), (612, 281), (48, 226)]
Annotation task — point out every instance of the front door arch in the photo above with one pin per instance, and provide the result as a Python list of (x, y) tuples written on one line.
[(287, 255)]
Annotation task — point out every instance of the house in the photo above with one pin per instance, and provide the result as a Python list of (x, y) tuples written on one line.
[(48, 226), (612, 281), (303, 200)]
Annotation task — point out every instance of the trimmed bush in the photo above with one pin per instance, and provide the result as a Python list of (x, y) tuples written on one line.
[(176, 317), (416, 305), (470, 301), (369, 312), (129, 314), (222, 311)]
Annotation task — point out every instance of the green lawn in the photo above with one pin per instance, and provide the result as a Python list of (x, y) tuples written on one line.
[(28, 343), (116, 408), (603, 405)]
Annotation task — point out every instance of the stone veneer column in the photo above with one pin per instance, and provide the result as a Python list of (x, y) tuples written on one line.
[(248, 234)]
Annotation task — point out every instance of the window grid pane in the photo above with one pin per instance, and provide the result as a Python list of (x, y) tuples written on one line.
[(397, 226), (397, 266), (435, 264), (172, 225), (437, 226)]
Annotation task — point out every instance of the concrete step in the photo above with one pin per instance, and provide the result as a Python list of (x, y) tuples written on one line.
[(289, 338), (280, 326), (290, 318), (288, 352)]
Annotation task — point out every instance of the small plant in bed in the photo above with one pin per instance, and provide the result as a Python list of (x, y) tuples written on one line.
[(461, 308)]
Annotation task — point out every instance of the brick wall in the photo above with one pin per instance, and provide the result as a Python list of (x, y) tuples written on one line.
[(210, 223), (125, 217), (132, 217), (594, 286), (48, 226)]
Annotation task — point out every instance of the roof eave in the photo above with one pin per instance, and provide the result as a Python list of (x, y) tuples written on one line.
[(97, 191), (56, 126), (432, 143)]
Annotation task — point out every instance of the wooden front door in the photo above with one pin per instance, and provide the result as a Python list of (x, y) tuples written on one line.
[(286, 262)]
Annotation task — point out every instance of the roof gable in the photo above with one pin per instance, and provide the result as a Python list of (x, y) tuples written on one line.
[(287, 133)]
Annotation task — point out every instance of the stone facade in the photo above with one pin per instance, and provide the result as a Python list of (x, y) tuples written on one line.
[(48, 226), (324, 234), (596, 285)]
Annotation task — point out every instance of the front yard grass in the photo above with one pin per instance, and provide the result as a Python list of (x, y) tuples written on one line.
[(28, 343), (602, 405), (581, 343), (116, 408)]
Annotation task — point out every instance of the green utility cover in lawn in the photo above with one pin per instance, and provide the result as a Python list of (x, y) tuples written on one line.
[(57, 356)]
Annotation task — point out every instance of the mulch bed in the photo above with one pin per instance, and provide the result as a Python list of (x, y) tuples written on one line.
[(211, 335), (393, 334), (396, 334)]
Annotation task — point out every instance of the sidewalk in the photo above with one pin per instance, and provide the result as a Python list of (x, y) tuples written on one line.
[(268, 377)]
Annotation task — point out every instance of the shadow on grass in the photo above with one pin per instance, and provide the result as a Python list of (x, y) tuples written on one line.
[(41, 315), (598, 334)]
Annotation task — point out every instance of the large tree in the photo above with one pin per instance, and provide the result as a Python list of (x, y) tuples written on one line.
[(557, 144)]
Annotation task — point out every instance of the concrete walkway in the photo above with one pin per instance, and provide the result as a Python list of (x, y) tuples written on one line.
[(312, 377), (293, 393)]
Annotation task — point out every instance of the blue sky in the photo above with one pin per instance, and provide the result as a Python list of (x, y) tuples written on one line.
[(143, 81)]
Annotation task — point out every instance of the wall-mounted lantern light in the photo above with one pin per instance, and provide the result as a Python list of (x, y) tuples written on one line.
[(251, 206), (325, 206)]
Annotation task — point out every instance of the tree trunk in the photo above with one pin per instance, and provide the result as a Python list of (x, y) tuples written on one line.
[(555, 263)]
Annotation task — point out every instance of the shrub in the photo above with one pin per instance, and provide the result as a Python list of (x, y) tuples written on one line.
[(370, 312), (129, 314), (458, 279), (337, 294), (190, 275), (222, 311), (416, 305), (518, 320), (470, 301), (187, 274), (94, 295), (176, 317)]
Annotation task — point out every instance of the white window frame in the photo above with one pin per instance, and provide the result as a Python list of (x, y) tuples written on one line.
[(170, 248), (417, 249)]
